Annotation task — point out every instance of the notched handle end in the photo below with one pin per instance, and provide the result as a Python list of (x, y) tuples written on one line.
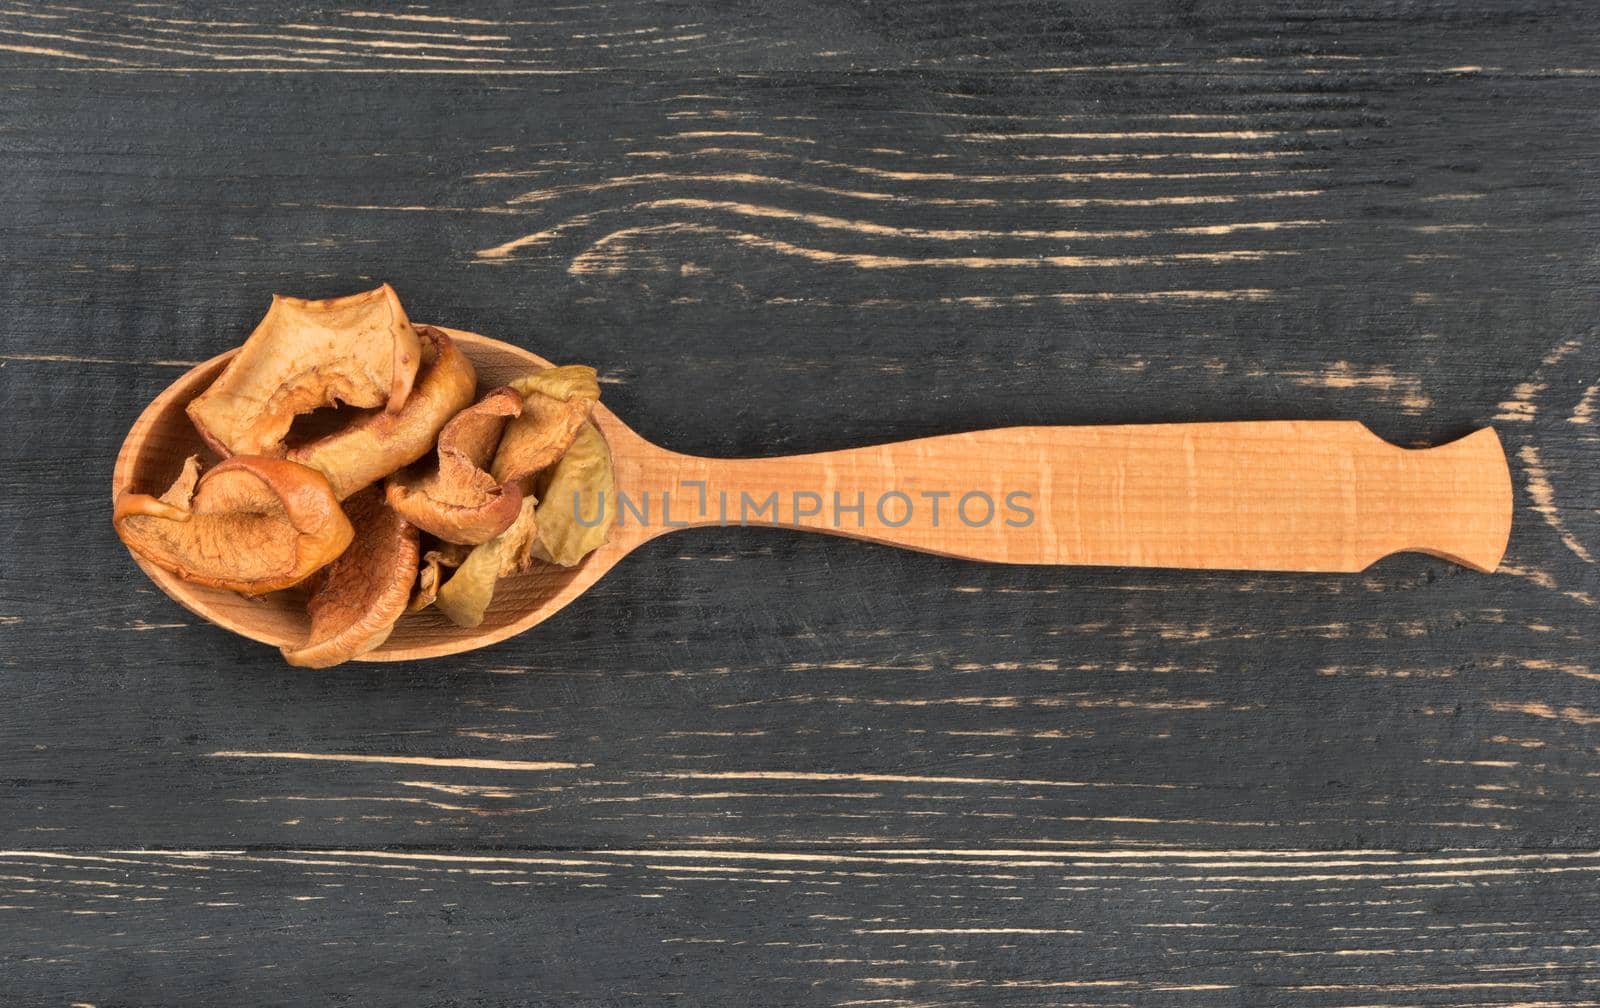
[(1460, 501)]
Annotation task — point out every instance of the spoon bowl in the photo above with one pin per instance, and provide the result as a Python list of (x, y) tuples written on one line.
[(162, 437)]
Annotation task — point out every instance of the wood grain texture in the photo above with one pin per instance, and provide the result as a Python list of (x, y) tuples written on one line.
[(808, 228), (1280, 495), (1083, 925)]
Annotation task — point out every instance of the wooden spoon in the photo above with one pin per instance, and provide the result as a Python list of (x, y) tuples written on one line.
[(1268, 495)]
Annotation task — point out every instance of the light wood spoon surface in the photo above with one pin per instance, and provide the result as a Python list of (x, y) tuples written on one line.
[(1252, 495)]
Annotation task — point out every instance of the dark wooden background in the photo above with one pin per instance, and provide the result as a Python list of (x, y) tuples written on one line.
[(756, 767)]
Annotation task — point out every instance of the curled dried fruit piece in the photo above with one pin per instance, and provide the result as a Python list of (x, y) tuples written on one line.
[(556, 402), (431, 574), (376, 445), (360, 350), (573, 519), (361, 595), (251, 525), (466, 596), (458, 501), (578, 501)]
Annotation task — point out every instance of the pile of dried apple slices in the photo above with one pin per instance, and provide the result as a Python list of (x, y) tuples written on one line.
[(425, 496)]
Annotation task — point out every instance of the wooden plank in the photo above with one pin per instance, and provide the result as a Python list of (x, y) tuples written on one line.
[(805, 230), (1022, 925)]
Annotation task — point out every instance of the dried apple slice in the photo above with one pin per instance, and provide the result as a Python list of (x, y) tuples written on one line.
[(578, 501), (555, 404), (359, 350), (457, 501), (362, 594), (251, 525), (431, 574), (573, 518), (466, 596), (378, 444)]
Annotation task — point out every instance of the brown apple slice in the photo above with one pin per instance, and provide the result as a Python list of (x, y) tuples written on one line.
[(359, 350), (251, 524), (458, 501), (376, 445), (361, 595)]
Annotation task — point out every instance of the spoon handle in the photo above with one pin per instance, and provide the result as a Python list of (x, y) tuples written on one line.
[(1270, 495)]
